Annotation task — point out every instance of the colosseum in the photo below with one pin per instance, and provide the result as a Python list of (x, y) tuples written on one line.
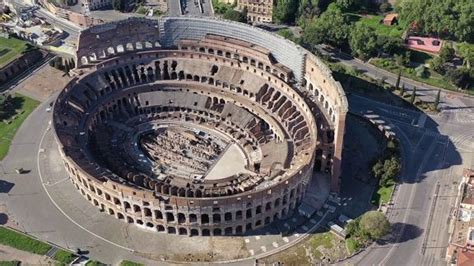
[(197, 127)]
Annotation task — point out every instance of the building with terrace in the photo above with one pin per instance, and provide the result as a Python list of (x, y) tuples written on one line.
[(197, 126)]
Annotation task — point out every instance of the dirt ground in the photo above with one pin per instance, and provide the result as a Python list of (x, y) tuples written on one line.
[(45, 82), (8, 254)]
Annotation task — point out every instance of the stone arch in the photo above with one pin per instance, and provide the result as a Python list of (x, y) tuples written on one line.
[(194, 232), (206, 232), (130, 220), (181, 218), (183, 231), (238, 229), (217, 232), (228, 231), (216, 218), (84, 60), (160, 228), (204, 218), (148, 45), (120, 48), (171, 230)]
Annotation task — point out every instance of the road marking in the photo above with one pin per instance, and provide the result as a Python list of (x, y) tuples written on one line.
[(313, 221), (247, 240), (251, 252), (304, 227), (296, 235), (257, 237), (275, 244), (263, 248), (57, 182), (57, 206), (286, 239)]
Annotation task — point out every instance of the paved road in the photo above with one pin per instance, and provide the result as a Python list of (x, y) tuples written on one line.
[(425, 91), (432, 163), (190, 7)]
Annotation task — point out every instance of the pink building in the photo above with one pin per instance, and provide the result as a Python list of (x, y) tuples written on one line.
[(424, 44)]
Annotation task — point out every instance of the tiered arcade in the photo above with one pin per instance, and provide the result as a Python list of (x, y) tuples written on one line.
[(147, 127)]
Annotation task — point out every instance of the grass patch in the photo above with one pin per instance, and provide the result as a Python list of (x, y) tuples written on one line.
[(23, 106), (382, 195), (10, 49), (434, 79), (95, 263), (380, 28), (19, 241), (324, 239), (64, 257), (130, 263), (352, 245), (10, 263)]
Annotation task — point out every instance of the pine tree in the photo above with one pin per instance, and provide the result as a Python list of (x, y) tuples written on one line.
[(397, 84), (436, 103), (402, 90), (413, 95)]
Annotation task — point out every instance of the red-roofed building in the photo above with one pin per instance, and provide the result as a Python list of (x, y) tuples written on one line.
[(424, 44), (465, 258), (390, 19)]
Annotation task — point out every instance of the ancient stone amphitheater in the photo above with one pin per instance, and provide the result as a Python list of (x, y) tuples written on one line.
[(197, 126)]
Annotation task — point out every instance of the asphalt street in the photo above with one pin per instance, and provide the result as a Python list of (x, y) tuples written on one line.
[(432, 164)]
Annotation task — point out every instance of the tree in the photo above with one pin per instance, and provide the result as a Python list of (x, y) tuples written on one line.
[(403, 59), (413, 95), (447, 53), (345, 4), (377, 169), (437, 64), (422, 72), (331, 27), (307, 10), (375, 224), (389, 45), (397, 84), (450, 19), (436, 102), (66, 67), (402, 90), (284, 11), (461, 77), (235, 15), (384, 7), (363, 41), (118, 5), (466, 51)]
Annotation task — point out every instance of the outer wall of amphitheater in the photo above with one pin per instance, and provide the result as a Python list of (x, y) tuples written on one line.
[(318, 97)]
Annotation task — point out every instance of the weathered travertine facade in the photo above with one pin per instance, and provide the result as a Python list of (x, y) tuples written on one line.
[(194, 86)]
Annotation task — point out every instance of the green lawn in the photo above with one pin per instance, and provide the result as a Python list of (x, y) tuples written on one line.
[(19, 241), (382, 195), (381, 29), (10, 49), (130, 263), (352, 245), (10, 263), (95, 263), (322, 239), (9, 127), (434, 79), (64, 257)]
